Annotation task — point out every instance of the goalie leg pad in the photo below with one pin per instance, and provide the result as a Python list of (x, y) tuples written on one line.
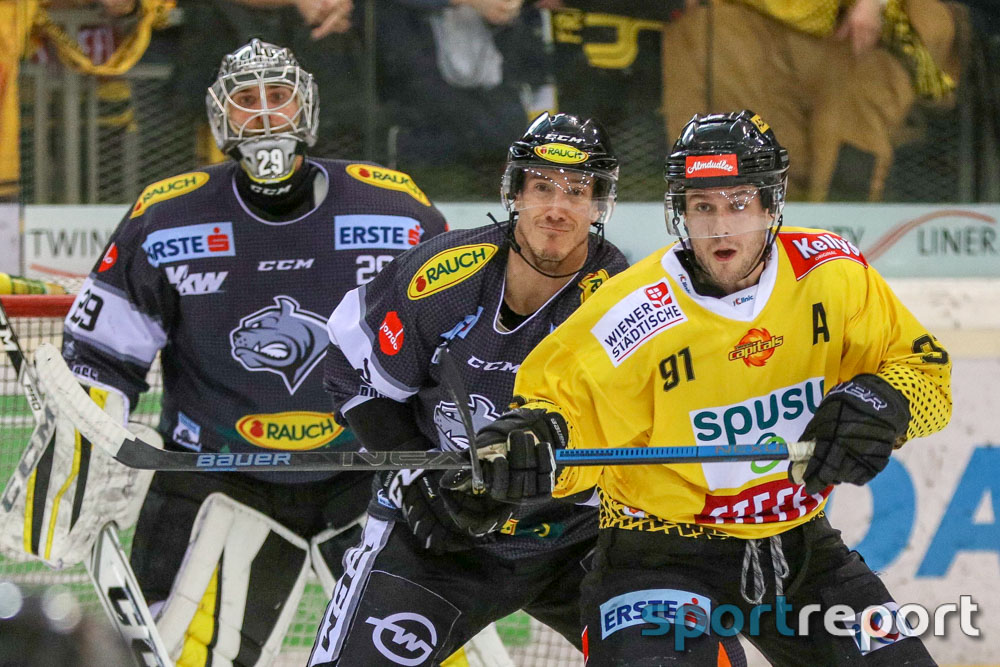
[(237, 590), (64, 490), (327, 548)]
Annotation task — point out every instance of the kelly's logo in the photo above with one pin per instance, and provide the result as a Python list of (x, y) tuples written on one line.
[(168, 188), (293, 431), (806, 250), (756, 347), (389, 179), (561, 153), (448, 268)]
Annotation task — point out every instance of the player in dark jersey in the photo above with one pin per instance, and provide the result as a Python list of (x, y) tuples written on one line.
[(423, 578), (230, 272)]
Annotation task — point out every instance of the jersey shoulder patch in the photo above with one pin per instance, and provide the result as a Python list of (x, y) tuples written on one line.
[(390, 179), (808, 249), (448, 268), (168, 188)]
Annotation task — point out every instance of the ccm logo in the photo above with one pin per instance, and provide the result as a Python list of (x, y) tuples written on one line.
[(285, 264)]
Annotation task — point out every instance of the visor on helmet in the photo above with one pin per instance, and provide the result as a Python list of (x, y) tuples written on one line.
[(579, 192), (723, 211)]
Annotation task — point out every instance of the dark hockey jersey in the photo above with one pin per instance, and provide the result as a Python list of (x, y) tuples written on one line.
[(237, 304), (451, 288)]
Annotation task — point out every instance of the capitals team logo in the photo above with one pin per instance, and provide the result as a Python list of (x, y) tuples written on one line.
[(561, 153), (451, 431), (756, 347), (283, 339)]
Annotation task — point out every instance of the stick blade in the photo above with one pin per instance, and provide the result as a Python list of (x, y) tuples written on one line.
[(63, 391)]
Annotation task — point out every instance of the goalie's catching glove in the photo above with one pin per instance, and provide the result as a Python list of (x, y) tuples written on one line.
[(518, 459), (855, 428)]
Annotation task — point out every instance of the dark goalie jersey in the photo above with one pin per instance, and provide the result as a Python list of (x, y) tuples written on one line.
[(450, 289), (237, 304)]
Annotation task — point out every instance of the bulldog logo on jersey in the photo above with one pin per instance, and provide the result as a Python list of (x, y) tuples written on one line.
[(282, 339), (451, 432)]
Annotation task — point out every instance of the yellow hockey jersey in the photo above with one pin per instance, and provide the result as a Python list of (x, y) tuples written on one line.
[(646, 361)]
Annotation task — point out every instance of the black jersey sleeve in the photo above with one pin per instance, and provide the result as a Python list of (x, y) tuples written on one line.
[(387, 330), (120, 318)]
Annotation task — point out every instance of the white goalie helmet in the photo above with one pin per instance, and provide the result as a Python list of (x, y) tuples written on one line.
[(262, 107)]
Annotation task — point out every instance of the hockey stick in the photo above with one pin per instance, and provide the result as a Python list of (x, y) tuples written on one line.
[(452, 381), (119, 442), (108, 566)]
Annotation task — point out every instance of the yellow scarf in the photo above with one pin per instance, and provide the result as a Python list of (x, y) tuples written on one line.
[(820, 17), (20, 20)]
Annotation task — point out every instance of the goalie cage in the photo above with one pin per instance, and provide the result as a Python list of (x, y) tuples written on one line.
[(38, 318)]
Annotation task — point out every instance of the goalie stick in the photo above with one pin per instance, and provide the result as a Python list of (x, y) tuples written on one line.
[(108, 566), (131, 450)]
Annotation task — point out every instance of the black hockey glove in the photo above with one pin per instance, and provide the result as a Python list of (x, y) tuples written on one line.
[(442, 520), (448, 518), (517, 452), (855, 428)]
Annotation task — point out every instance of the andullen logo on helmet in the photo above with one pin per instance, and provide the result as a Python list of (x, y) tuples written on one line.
[(561, 153), (708, 166)]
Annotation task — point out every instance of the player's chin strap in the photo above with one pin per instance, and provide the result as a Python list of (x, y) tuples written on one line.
[(508, 231)]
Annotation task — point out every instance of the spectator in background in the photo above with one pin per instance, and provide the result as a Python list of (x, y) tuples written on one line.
[(451, 77), (838, 78)]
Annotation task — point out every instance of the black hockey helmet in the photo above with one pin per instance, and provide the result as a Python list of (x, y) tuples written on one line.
[(717, 151), (569, 144)]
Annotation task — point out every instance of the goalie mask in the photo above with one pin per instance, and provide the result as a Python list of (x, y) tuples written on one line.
[(724, 164), (263, 110)]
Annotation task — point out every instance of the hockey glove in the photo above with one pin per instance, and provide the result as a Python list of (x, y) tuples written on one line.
[(855, 428), (441, 520), (517, 452)]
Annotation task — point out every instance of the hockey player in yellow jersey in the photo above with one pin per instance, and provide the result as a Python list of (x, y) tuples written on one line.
[(742, 332)]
